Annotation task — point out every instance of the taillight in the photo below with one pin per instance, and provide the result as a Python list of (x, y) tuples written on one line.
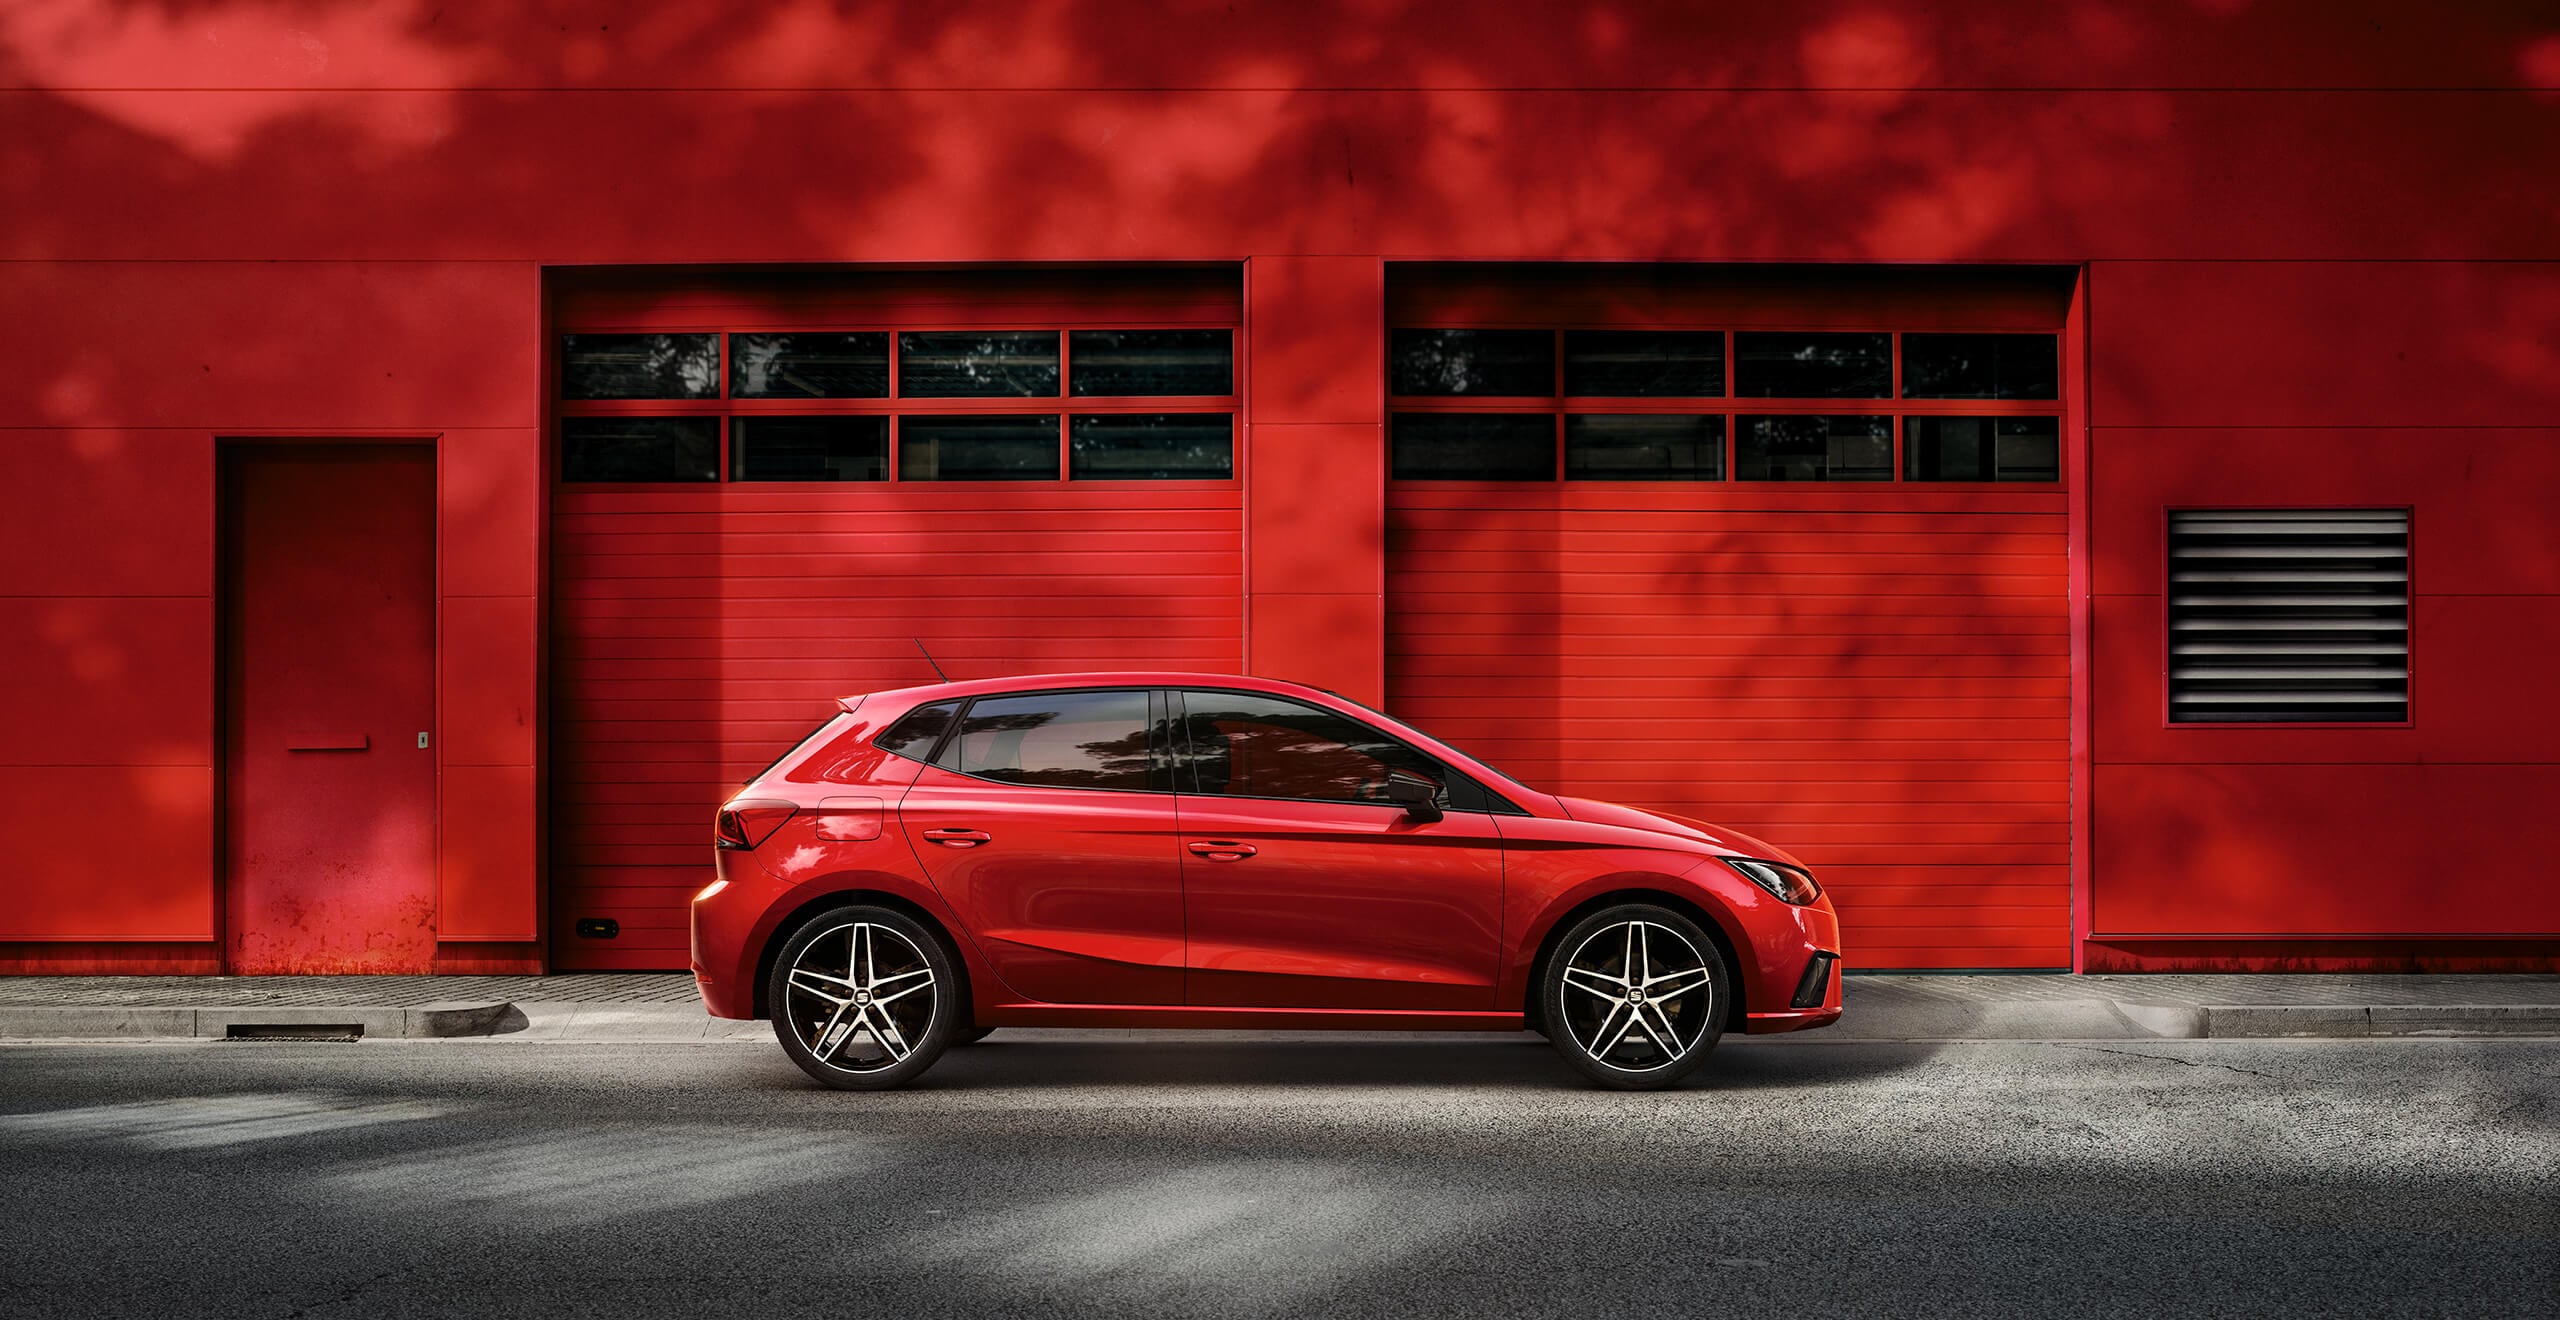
[(747, 822)]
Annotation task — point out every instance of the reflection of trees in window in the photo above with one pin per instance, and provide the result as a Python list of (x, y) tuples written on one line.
[(1250, 748), (1054, 743)]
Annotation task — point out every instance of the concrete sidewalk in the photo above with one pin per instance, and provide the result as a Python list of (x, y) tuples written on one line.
[(636, 1006)]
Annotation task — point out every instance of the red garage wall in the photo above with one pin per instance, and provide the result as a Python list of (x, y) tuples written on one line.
[(2310, 227)]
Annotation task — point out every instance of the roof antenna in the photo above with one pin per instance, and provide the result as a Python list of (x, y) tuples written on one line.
[(928, 659)]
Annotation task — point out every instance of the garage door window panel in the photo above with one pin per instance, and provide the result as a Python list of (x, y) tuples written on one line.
[(848, 448), (628, 449), (1643, 364), (1151, 447), (1151, 363), (1644, 447), (1808, 365), (993, 447), (1473, 446), (1478, 363), (1988, 366), (809, 366), (1982, 448), (643, 366), (975, 364), (1814, 448)]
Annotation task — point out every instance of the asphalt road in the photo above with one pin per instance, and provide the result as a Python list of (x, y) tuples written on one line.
[(1459, 1176)]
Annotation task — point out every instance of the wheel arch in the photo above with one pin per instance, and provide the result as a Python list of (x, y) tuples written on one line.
[(1713, 923), (810, 909)]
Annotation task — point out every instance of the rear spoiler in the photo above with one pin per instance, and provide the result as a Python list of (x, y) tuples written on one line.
[(852, 703)]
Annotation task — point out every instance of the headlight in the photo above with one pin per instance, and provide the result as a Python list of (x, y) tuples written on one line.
[(1791, 883)]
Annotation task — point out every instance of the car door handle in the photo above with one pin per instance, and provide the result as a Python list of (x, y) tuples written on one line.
[(1220, 850), (959, 838)]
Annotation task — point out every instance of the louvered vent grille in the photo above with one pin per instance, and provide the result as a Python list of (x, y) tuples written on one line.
[(2288, 616)]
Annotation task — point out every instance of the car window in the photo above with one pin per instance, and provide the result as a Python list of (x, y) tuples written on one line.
[(1055, 740), (914, 735), (1239, 745)]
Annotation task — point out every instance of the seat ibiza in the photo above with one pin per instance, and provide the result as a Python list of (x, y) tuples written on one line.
[(1186, 850)]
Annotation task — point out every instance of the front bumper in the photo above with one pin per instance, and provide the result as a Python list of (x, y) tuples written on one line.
[(1785, 956)]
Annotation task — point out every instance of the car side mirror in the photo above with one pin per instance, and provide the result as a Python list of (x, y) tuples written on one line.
[(1419, 796)]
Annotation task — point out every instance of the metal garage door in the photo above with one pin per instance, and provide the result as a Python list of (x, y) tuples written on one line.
[(1027, 472), (1727, 562)]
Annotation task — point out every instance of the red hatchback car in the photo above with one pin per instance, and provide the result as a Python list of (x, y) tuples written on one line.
[(1191, 850)]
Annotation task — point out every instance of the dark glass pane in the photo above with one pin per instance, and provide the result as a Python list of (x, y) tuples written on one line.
[(639, 449), (1005, 448), (1056, 740), (1500, 362), (1644, 364), (1644, 447), (1151, 447), (1813, 449), (1982, 448), (978, 364), (1812, 366), (1473, 447), (808, 449), (915, 733), (1247, 746), (831, 366), (639, 366), (1125, 362), (1981, 367)]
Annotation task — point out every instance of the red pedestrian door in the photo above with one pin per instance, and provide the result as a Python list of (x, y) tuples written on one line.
[(328, 704)]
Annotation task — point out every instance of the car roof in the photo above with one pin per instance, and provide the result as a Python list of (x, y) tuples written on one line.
[(971, 687)]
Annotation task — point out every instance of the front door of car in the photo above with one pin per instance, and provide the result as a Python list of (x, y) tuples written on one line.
[(1305, 887), (1037, 823)]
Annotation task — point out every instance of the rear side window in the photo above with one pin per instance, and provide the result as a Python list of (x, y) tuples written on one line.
[(1055, 740), (916, 732)]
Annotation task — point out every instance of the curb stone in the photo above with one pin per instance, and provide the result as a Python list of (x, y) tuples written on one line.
[(426, 1021)]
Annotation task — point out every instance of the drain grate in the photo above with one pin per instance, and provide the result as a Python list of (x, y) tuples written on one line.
[(305, 1031)]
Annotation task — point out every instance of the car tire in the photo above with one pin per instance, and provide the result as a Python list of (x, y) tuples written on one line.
[(1635, 996), (845, 990), (972, 1035)]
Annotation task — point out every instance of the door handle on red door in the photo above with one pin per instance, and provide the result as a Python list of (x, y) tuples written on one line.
[(959, 838), (1220, 850)]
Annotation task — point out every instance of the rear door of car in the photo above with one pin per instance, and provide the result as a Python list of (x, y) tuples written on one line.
[(1040, 822)]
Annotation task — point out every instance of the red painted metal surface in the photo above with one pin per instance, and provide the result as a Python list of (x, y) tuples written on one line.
[(1306, 948), (329, 795), (172, 278), (697, 629), (1877, 674)]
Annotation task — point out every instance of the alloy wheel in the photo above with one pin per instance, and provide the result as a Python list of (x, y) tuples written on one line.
[(1637, 995), (862, 997)]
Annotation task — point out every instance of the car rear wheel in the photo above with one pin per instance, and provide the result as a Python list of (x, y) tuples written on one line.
[(865, 998), (1635, 996)]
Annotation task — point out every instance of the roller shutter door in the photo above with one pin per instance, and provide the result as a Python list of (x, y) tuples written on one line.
[(700, 628), (1875, 676)]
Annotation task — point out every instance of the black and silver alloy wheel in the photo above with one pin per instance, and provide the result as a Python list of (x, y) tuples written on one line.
[(864, 998), (1635, 996)]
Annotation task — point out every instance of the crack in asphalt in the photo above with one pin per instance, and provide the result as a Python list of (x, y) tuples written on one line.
[(2170, 1058)]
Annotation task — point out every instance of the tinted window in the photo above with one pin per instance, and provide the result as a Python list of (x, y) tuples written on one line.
[(1055, 740), (831, 366), (1005, 447), (639, 449), (954, 364), (1982, 448), (1239, 745), (1123, 362), (1813, 449), (1812, 366), (1639, 364), (639, 366), (1457, 446), (1981, 367), (1499, 362), (808, 448), (1644, 447), (1151, 447), (915, 733)]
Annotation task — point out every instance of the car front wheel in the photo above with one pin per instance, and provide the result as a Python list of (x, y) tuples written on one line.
[(1635, 996), (865, 998)]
